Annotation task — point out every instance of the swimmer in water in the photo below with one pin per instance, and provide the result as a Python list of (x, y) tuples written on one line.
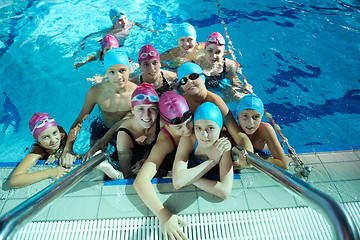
[(149, 60), (262, 135), (121, 26), (217, 69), (50, 141), (113, 98), (176, 115), (203, 158)]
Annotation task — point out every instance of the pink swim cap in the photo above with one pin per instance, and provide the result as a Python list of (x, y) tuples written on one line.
[(215, 38), (148, 52), (40, 122), (144, 94), (173, 108), (109, 40)]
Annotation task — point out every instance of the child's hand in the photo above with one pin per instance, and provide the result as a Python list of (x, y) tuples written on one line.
[(247, 88), (241, 161), (67, 159), (59, 172), (51, 159), (79, 64), (221, 145)]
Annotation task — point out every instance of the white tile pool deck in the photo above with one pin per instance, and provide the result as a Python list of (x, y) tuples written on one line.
[(335, 173)]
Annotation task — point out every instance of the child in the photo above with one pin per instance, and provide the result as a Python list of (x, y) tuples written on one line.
[(175, 113), (187, 50), (149, 60), (135, 135), (261, 134), (121, 26), (50, 140), (192, 81), (216, 68), (107, 43), (203, 155), (113, 98)]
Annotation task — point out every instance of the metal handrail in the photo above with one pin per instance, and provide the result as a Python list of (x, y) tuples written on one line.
[(342, 225), (20, 215)]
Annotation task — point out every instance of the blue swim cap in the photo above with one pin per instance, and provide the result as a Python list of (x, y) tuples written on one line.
[(209, 111), (186, 30), (250, 101), (188, 68), (115, 14), (116, 56)]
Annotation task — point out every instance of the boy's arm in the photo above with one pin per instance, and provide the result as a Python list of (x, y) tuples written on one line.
[(280, 160), (102, 143), (68, 157), (90, 58), (169, 221), (139, 25)]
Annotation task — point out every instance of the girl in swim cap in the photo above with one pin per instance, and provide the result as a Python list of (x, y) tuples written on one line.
[(204, 159), (136, 134), (149, 60), (218, 69), (249, 112), (187, 50), (176, 115), (192, 81), (50, 140)]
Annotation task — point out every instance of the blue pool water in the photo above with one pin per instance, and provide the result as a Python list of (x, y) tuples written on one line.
[(302, 57)]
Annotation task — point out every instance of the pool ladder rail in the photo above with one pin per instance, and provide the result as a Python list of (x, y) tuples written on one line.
[(341, 223)]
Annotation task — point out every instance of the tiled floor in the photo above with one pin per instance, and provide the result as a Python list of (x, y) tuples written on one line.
[(335, 173)]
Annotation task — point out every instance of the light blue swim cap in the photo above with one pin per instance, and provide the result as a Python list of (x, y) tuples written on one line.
[(188, 68), (250, 101), (186, 30), (116, 56), (209, 111), (115, 14)]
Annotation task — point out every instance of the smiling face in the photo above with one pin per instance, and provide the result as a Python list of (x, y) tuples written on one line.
[(206, 132), (145, 114), (150, 68), (249, 120), (187, 43), (50, 138), (183, 129), (118, 75), (214, 53)]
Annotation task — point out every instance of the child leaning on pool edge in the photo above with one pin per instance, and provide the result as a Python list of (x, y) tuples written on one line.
[(113, 98), (262, 135), (50, 140), (204, 155), (177, 117)]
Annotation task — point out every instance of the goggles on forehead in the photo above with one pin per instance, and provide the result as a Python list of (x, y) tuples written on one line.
[(122, 13), (216, 41), (178, 120), (142, 97), (41, 123), (152, 54), (192, 76)]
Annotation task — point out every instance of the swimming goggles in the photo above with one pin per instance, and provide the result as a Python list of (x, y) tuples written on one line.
[(152, 54), (142, 97), (216, 41), (41, 123), (122, 13), (192, 76), (178, 120)]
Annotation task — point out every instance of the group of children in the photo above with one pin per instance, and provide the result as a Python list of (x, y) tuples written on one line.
[(161, 122)]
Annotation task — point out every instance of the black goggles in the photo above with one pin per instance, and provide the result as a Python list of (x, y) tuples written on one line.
[(178, 120), (192, 76)]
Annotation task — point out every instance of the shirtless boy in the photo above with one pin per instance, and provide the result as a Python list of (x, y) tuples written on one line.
[(113, 98)]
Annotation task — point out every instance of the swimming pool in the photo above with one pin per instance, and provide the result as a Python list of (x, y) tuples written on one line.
[(302, 59)]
